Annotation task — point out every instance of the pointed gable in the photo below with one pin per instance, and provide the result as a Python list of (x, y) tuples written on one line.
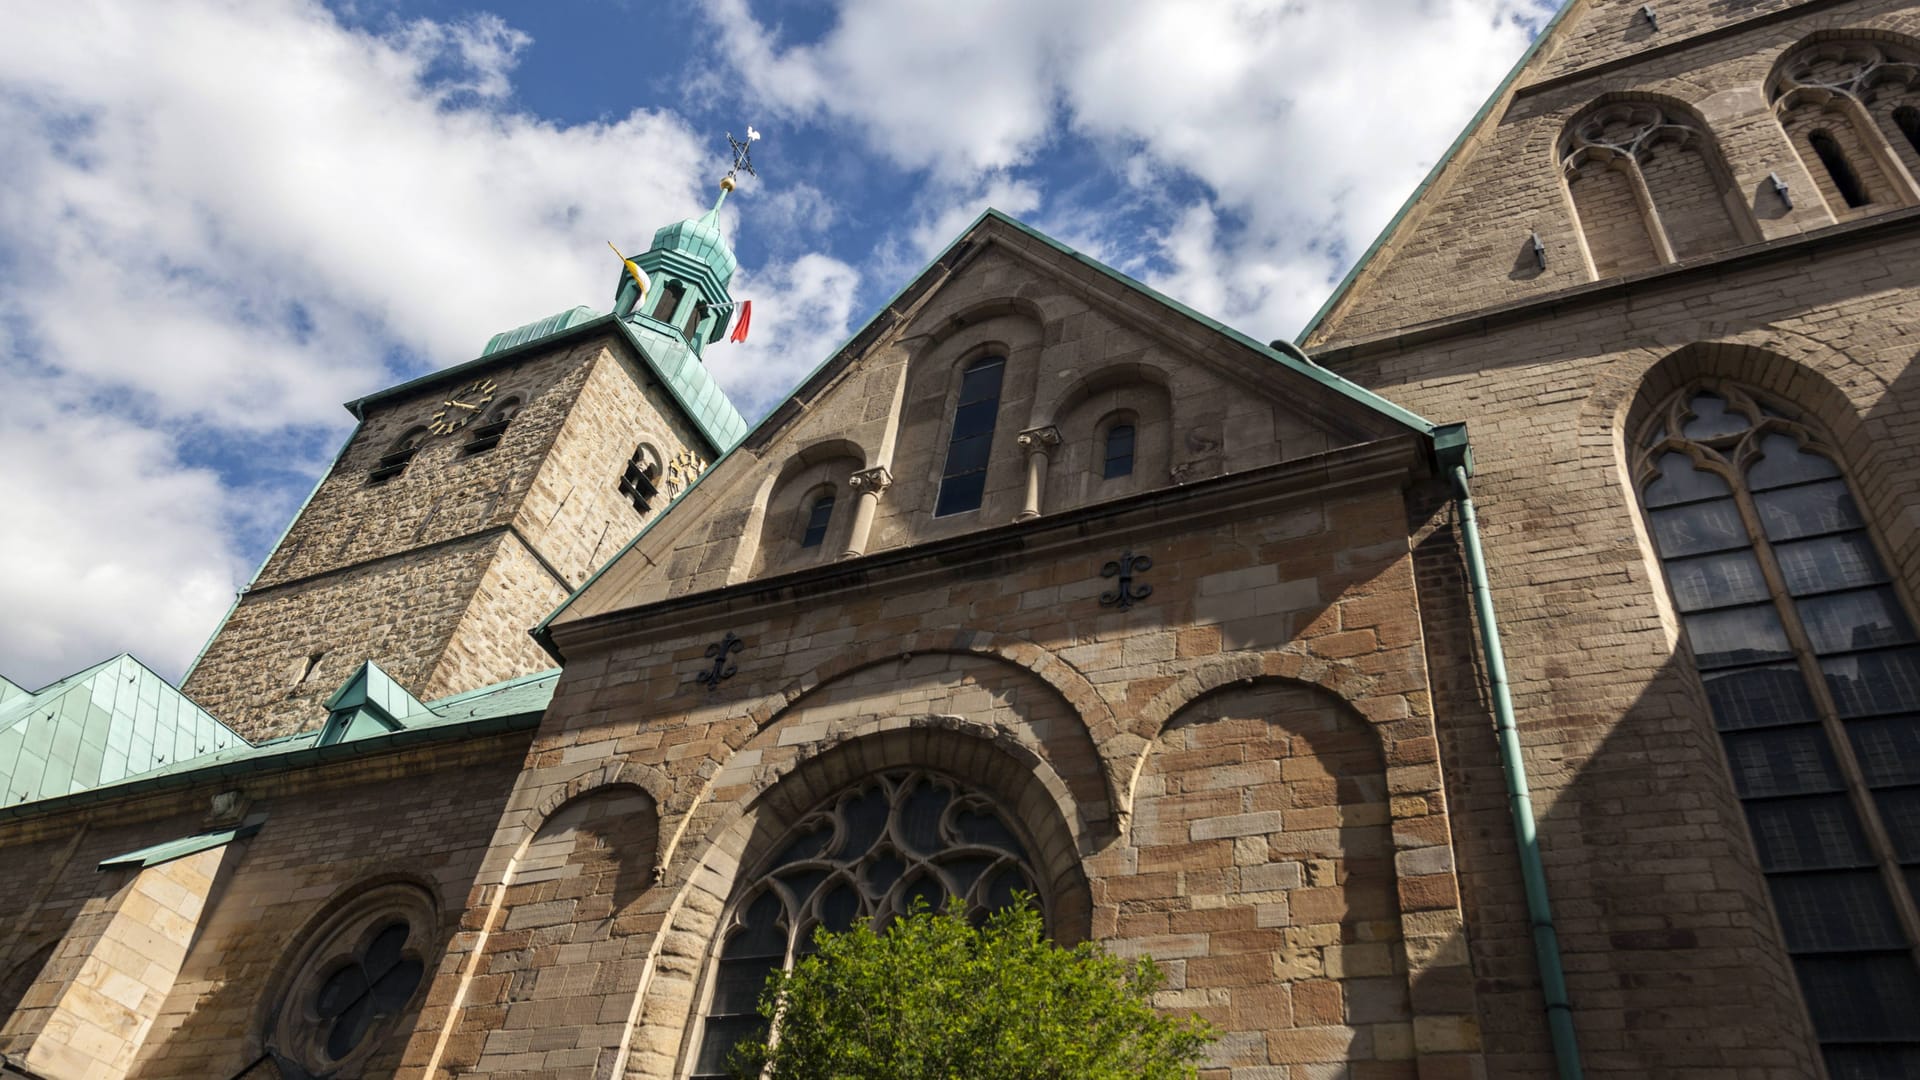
[(1040, 378), (113, 721)]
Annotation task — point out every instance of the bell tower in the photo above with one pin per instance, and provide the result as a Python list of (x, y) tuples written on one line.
[(468, 503)]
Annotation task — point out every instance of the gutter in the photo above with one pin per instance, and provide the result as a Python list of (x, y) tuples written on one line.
[(1456, 460)]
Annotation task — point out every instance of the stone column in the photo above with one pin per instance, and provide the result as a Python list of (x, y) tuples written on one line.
[(1036, 442), (868, 484)]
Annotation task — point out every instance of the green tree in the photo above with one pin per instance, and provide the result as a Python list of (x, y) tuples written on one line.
[(937, 998)]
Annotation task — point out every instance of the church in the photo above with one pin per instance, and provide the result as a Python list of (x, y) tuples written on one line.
[(1516, 677)]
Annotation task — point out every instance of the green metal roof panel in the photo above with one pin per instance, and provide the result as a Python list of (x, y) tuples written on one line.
[(108, 723), (539, 328), (180, 848), (9, 690), (686, 377), (700, 239)]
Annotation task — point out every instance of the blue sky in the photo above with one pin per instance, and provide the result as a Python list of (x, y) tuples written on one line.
[(226, 217)]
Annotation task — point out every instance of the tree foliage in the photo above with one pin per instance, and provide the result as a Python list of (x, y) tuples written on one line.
[(938, 998)]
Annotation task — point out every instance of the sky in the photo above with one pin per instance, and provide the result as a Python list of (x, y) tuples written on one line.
[(221, 219)]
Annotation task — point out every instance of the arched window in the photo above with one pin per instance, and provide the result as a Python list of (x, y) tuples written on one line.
[(669, 302), (1648, 186), (1834, 160), (486, 436), (394, 461), (640, 482), (694, 318), (1812, 676), (865, 855), (963, 482), (1118, 460), (818, 515)]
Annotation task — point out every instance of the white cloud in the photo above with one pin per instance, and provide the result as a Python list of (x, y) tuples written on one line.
[(1307, 122), (801, 313), (224, 218)]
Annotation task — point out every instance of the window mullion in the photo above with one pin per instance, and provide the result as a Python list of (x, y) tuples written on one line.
[(1858, 793)]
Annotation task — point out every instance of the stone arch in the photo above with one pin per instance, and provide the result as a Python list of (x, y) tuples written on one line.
[(1246, 669), (1648, 184), (1305, 859), (1115, 744), (978, 313), (755, 821), (782, 501), (1080, 414)]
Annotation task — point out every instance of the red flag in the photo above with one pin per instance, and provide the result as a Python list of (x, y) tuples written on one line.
[(746, 316)]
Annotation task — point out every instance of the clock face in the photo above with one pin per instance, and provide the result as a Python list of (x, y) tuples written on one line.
[(458, 410)]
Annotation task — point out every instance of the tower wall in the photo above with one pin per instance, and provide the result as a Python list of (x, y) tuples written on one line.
[(438, 573)]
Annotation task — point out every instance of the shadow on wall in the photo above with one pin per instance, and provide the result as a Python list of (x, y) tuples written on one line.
[(1664, 922)]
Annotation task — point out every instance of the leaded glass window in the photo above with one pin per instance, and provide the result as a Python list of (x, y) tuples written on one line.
[(1812, 674), (963, 482), (866, 855)]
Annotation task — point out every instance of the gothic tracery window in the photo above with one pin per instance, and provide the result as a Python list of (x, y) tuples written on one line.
[(357, 976), (1840, 102), (1812, 674), (865, 855), (1648, 186)]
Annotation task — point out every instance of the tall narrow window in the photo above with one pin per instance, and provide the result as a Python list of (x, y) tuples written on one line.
[(963, 483), (867, 855), (394, 461), (818, 515), (670, 296), (1845, 180), (640, 482), (1119, 456), (1812, 675), (1907, 119), (694, 318), (488, 435)]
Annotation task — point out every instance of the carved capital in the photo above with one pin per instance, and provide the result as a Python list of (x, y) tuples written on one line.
[(1040, 439), (875, 480)]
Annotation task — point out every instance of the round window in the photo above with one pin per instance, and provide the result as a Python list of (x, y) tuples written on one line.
[(359, 972)]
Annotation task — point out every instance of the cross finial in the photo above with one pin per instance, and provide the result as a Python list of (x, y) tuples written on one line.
[(742, 156)]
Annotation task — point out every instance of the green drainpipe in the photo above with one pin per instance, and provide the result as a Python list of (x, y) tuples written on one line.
[(1456, 458)]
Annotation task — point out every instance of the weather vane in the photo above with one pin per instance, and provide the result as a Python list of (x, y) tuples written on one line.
[(742, 157)]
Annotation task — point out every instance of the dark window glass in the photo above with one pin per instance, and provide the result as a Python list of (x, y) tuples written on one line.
[(1818, 832), (691, 331), (1836, 912), (1861, 998), (817, 518), (1119, 460), (1907, 119), (1888, 749), (1900, 810), (1782, 462), (1845, 180), (1759, 697), (1869, 684), (1680, 482), (488, 435), (637, 482), (1840, 561), (1746, 635), (1711, 418), (963, 482), (1716, 581), (1782, 761), (1863, 619), (1809, 510), (1698, 528), (669, 302), (394, 462)]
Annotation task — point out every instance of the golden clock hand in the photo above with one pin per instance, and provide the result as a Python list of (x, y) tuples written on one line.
[(462, 405)]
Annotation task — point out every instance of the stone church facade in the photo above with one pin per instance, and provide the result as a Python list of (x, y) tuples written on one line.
[(1044, 583)]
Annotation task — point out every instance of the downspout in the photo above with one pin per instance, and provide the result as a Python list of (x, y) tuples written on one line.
[(1456, 459)]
